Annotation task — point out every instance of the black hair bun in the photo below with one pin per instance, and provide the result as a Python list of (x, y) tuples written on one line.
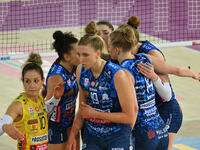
[(58, 35)]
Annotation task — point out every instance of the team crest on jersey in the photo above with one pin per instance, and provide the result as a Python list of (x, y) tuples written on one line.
[(31, 110), (69, 82), (37, 109), (92, 83), (86, 81)]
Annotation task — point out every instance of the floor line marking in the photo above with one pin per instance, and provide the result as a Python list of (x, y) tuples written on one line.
[(183, 147)]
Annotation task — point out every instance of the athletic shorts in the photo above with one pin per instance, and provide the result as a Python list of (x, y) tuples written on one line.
[(57, 134), (122, 140), (172, 115), (157, 139)]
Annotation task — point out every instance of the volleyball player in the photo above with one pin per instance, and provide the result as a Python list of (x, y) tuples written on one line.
[(108, 106), (25, 119), (62, 111), (150, 131)]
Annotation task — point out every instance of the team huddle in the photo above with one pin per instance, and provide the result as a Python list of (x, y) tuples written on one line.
[(121, 85)]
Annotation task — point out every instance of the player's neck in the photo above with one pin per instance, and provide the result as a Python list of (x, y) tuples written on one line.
[(124, 56), (66, 65), (98, 67), (33, 98), (136, 48)]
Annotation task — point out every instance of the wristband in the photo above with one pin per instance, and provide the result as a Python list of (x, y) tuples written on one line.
[(6, 119), (51, 103)]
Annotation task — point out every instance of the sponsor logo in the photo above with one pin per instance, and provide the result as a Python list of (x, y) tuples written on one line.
[(92, 89), (147, 47), (70, 105), (33, 127), (148, 104), (33, 121), (39, 139), (103, 88), (100, 129), (40, 114), (113, 65), (151, 134), (105, 97), (151, 118), (150, 112), (162, 131), (100, 110), (54, 114), (39, 147), (140, 87), (100, 121), (59, 69)]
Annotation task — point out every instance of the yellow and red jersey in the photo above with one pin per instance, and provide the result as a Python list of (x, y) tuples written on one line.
[(35, 125)]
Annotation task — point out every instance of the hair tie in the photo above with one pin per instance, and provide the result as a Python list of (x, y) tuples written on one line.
[(90, 34)]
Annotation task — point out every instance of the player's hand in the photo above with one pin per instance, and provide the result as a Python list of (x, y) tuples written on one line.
[(196, 76), (87, 111), (148, 71), (71, 144), (13, 132), (59, 90)]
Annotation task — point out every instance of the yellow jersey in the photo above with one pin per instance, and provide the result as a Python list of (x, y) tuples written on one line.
[(35, 125)]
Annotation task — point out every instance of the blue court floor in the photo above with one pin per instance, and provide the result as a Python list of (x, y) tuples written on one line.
[(190, 143)]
